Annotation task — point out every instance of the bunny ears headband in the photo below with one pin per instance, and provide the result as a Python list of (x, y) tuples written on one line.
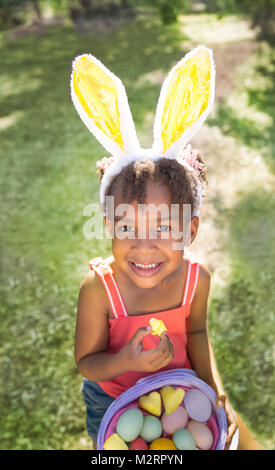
[(185, 101)]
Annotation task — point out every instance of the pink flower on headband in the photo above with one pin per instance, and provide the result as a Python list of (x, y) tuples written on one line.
[(190, 156), (105, 163)]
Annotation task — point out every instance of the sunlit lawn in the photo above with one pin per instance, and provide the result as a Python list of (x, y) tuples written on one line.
[(48, 177)]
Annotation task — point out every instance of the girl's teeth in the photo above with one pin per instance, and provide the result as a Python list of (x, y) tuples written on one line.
[(146, 266)]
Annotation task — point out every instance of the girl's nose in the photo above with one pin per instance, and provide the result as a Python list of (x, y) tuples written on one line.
[(145, 244)]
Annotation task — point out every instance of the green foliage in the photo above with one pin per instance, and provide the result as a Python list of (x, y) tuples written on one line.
[(170, 9), (261, 12), (10, 11), (168, 12), (223, 6)]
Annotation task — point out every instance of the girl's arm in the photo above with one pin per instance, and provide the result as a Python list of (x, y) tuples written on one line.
[(91, 340), (200, 351), (91, 335)]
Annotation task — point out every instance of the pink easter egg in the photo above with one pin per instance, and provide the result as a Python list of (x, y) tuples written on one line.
[(197, 405), (201, 433), (175, 420), (138, 444)]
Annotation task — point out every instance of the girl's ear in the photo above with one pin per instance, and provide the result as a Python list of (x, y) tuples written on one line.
[(108, 224), (101, 102), (185, 101)]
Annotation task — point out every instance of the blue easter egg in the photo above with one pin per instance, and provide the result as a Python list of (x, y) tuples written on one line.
[(151, 429), (130, 424), (184, 440)]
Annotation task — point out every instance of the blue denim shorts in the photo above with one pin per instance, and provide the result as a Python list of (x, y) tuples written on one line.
[(97, 402)]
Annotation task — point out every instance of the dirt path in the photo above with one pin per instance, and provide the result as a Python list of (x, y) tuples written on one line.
[(227, 59), (233, 168)]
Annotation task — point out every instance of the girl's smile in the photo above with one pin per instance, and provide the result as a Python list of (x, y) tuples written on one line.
[(146, 270)]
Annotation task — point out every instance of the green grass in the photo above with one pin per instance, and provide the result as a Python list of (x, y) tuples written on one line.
[(242, 315), (48, 177)]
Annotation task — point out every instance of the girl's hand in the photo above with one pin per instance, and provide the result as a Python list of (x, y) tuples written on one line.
[(146, 361), (232, 423)]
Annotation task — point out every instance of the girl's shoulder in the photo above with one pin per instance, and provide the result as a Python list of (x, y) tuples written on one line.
[(204, 279), (204, 270), (91, 280), (204, 276), (92, 294)]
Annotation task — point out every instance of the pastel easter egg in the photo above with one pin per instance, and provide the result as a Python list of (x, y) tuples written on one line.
[(163, 444), (151, 429), (138, 444), (130, 424), (201, 433), (114, 442), (184, 440), (175, 420), (197, 405)]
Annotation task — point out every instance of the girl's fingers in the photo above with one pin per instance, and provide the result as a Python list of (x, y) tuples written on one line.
[(162, 359), (232, 428), (231, 431), (161, 355), (140, 334), (220, 401), (231, 422), (165, 343)]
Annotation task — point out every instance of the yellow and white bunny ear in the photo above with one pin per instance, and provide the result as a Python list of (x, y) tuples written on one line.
[(101, 101), (185, 101)]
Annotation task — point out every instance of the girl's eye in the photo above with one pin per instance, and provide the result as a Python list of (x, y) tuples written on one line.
[(167, 228), (127, 227)]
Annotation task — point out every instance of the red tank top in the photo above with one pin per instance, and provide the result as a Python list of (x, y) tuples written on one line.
[(123, 326)]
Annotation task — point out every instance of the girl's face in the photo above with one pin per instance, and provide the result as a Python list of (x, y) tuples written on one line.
[(150, 237)]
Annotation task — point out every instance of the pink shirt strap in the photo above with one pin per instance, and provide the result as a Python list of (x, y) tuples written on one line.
[(105, 273), (192, 277)]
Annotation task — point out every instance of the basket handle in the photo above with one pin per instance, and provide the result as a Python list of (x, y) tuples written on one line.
[(164, 373)]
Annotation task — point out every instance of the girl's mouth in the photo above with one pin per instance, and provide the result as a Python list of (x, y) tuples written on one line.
[(146, 270)]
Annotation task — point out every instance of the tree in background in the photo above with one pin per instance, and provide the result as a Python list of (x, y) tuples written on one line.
[(9, 11), (14, 12), (169, 9), (261, 12)]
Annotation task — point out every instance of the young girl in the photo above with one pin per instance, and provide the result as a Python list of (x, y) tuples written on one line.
[(152, 275)]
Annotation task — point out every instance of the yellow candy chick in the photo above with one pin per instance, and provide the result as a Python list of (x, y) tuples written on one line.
[(158, 326)]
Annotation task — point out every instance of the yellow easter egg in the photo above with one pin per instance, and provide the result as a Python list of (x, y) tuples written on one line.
[(151, 403), (114, 442), (171, 397), (163, 444), (157, 326)]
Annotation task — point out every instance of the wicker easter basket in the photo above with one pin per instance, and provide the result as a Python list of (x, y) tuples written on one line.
[(184, 378)]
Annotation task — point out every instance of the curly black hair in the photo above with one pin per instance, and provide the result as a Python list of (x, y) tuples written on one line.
[(132, 180)]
